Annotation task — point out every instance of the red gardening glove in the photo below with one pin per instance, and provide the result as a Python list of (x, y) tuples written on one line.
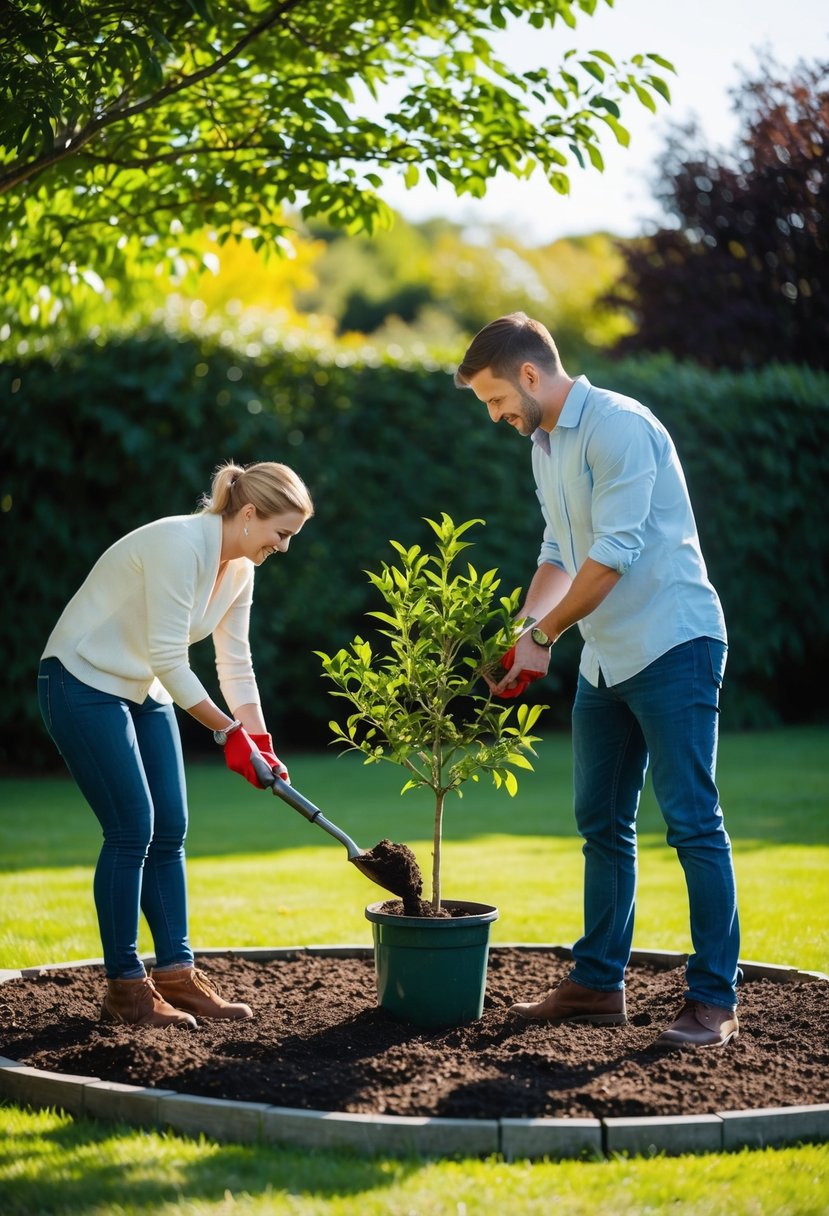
[(265, 745), (526, 677), (238, 751)]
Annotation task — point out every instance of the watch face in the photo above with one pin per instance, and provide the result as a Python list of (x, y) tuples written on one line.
[(539, 637)]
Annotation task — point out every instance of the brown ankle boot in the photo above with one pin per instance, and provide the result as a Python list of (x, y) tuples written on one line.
[(189, 989), (139, 1003), (572, 1002), (700, 1025)]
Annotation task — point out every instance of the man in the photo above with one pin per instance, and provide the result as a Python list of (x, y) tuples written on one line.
[(620, 558)]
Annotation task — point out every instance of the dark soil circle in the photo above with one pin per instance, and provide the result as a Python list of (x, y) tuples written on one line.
[(318, 1042)]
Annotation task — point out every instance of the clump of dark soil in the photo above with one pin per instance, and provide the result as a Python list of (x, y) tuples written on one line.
[(394, 866), (318, 1041), (412, 906)]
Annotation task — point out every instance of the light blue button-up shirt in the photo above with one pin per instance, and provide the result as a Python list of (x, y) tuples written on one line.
[(611, 487)]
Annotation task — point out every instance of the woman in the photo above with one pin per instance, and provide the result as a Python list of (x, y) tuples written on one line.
[(115, 662)]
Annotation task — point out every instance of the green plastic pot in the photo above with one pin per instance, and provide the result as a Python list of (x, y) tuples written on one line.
[(432, 972)]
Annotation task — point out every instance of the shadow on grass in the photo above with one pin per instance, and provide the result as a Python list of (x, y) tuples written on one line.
[(82, 1165)]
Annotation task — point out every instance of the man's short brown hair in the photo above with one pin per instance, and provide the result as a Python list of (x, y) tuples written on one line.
[(504, 345)]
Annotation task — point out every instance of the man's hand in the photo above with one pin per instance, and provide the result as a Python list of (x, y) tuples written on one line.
[(519, 672)]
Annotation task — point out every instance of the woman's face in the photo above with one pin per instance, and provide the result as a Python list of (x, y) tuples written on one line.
[(270, 535)]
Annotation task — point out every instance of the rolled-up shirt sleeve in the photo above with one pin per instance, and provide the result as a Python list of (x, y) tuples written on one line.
[(623, 454)]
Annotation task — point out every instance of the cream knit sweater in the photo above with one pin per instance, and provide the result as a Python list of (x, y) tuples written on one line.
[(127, 629)]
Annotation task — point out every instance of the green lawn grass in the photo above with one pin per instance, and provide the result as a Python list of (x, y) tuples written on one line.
[(261, 875), (50, 1163)]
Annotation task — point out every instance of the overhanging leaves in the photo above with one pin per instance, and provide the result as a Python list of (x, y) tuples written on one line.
[(135, 123)]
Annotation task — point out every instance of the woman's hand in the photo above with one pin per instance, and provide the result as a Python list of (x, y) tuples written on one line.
[(265, 745), (238, 751)]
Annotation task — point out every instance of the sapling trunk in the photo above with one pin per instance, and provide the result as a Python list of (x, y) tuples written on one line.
[(436, 842)]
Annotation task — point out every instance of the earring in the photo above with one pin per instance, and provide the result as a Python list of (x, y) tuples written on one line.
[(245, 531)]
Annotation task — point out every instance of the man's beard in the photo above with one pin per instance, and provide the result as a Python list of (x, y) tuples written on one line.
[(533, 412)]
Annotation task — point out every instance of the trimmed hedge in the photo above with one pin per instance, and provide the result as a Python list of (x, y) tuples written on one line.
[(108, 437)]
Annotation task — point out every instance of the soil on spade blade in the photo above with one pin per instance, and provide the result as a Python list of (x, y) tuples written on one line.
[(318, 1041)]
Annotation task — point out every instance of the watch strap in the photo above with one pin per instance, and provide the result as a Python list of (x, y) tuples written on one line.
[(222, 736)]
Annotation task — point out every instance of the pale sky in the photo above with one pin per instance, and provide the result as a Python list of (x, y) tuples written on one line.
[(708, 42)]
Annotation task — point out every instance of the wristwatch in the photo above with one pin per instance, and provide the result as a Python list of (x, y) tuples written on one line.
[(540, 638), (221, 736)]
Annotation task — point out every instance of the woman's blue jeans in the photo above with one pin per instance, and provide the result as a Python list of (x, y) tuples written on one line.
[(126, 758), (666, 714)]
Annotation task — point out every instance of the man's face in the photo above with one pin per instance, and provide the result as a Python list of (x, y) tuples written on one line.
[(507, 401)]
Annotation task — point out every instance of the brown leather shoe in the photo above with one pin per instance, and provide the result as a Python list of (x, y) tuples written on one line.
[(572, 1002), (189, 989), (139, 1003), (700, 1025)]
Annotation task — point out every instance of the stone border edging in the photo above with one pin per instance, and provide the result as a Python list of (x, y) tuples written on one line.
[(241, 1122)]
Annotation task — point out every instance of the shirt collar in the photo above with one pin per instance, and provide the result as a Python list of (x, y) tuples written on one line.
[(571, 412)]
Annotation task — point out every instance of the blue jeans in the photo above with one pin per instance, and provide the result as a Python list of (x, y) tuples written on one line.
[(126, 759), (667, 714)]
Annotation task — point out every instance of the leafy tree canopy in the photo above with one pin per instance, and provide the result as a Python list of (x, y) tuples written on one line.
[(742, 275), (126, 127)]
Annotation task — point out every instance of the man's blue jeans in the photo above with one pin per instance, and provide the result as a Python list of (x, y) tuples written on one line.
[(127, 761), (667, 714)]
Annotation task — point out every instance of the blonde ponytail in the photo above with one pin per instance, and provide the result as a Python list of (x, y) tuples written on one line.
[(272, 488)]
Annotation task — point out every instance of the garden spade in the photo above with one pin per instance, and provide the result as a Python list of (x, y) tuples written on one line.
[(391, 866)]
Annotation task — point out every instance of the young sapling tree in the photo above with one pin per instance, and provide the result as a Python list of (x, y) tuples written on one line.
[(419, 700)]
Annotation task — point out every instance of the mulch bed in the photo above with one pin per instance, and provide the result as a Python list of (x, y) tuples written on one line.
[(318, 1041)]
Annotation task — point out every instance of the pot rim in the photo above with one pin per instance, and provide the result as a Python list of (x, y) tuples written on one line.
[(478, 914)]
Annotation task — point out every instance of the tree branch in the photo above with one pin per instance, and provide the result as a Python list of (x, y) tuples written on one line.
[(72, 143)]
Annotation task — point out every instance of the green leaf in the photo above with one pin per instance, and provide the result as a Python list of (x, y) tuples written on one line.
[(387, 618), (596, 158), (605, 58), (660, 85), (576, 150), (644, 96), (621, 133), (593, 69), (606, 103), (660, 62), (519, 760)]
